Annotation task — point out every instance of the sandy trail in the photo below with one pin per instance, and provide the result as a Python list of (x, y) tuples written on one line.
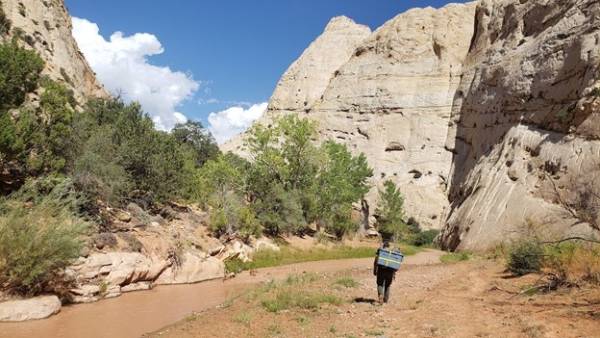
[(468, 299), (134, 314)]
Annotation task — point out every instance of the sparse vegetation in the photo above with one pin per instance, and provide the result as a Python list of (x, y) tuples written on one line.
[(347, 282), (573, 263), (455, 257), (244, 318), (268, 258), (568, 263), (286, 256)]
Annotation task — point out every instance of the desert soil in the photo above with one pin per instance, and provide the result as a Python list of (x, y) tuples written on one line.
[(429, 299)]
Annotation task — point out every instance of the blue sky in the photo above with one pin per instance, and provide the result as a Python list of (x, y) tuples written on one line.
[(231, 52)]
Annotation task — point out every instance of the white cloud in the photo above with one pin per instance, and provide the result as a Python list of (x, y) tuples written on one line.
[(235, 120), (121, 64)]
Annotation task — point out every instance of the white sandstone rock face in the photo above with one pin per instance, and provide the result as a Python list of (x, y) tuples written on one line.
[(392, 101), (46, 27), (193, 269), (107, 275), (29, 309), (387, 94), (306, 79), (524, 115)]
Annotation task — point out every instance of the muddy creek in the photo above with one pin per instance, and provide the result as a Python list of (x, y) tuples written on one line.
[(133, 314)]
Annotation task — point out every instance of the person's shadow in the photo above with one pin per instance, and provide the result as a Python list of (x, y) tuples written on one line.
[(365, 300)]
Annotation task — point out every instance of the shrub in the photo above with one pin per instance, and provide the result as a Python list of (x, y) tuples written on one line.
[(525, 257), (573, 263), (424, 238), (36, 243), (20, 71)]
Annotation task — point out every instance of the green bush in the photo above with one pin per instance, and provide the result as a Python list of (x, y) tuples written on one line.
[(20, 71), (37, 240), (424, 238), (525, 257)]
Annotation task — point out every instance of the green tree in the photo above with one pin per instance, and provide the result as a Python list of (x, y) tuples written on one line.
[(221, 186), (198, 138), (391, 211), (343, 180), (282, 177), (20, 71)]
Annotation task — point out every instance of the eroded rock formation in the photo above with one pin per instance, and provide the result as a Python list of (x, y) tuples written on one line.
[(46, 27), (525, 119), (484, 113)]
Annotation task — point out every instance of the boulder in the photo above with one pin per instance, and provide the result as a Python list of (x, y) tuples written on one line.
[(265, 243), (139, 286), (115, 270), (238, 249), (123, 216), (194, 268), (29, 309)]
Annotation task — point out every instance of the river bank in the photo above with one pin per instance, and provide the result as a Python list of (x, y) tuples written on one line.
[(136, 313), (474, 298)]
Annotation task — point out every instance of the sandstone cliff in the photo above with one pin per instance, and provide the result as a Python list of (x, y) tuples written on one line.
[(307, 78), (392, 101), (525, 119), (484, 113), (388, 94), (46, 27)]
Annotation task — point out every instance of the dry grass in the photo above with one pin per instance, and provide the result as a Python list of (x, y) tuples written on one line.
[(574, 263)]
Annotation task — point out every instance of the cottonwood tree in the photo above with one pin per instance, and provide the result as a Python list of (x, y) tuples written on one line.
[(390, 213)]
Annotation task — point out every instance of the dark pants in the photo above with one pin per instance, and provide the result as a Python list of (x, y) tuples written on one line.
[(385, 277)]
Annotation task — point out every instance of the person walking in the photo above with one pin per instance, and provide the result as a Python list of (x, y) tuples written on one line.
[(385, 277)]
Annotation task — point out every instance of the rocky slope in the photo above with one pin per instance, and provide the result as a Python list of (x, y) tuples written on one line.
[(46, 27), (484, 113)]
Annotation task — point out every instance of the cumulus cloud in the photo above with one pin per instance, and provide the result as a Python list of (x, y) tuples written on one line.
[(226, 124), (121, 64)]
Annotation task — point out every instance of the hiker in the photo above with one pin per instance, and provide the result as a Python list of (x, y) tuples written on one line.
[(385, 276)]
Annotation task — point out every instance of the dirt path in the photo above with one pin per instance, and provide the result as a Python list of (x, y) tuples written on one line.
[(469, 299), (134, 314)]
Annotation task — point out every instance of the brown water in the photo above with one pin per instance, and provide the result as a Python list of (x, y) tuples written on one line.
[(134, 314)]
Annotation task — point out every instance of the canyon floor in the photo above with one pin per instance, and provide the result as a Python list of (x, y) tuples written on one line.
[(429, 299)]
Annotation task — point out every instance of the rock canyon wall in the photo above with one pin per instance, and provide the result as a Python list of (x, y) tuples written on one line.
[(525, 121), (478, 111), (46, 27)]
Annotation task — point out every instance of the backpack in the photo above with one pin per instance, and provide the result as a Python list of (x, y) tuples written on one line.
[(389, 258)]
